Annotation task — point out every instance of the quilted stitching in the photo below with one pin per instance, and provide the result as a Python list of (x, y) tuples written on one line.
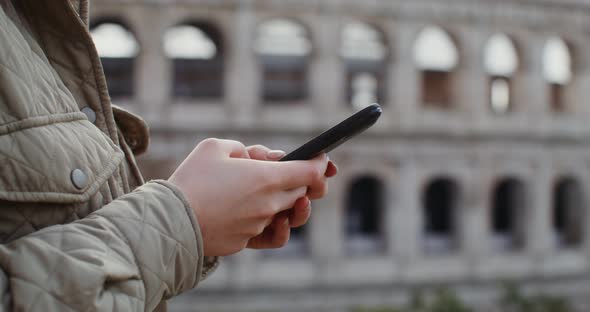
[(60, 237), (77, 54), (139, 227), (28, 78), (114, 251), (73, 145), (34, 91), (149, 226)]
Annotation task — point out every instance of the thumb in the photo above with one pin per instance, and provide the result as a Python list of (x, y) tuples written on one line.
[(297, 173)]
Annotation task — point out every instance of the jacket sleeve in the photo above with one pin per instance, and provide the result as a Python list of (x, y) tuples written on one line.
[(127, 256)]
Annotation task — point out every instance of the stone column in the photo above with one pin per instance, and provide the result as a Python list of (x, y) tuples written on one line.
[(475, 214), (530, 87), (539, 215), (585, 206), (327, 75), (577, 91), (470, 84), (243, 73), (391, 208), (326, 227), (153, 72), (404, 77), (406, 225)]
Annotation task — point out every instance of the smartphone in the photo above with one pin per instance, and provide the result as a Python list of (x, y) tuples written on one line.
[(337, 135)]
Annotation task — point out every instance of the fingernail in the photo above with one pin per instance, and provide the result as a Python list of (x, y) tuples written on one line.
[(275, 154), (286, 222), (328, 157)]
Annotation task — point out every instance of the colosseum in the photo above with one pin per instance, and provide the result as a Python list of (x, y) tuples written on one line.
[(478, 170)]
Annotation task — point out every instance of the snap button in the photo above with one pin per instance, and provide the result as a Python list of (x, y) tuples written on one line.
[(79, 178), (90, 114)]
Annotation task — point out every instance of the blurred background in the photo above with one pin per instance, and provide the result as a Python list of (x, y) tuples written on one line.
[(470, 194)]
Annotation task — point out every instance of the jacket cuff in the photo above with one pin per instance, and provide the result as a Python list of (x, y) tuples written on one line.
[(207, 265)]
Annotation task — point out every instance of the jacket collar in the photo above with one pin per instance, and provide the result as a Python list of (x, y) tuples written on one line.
[(66, 17), (81, 7)]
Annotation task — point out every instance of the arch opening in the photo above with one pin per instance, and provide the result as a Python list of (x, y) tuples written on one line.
[(436, 55), (363, 51), (364, 212), (568, 210), (117, 48), (509, 206), (501, 62), (440, 207), (283, 49), (557, 71), (196, 53)]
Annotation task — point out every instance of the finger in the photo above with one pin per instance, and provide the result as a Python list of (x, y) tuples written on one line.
[(300, 213), (274, 236), (228, 148), (258, 242), (261, 152), (288, 199), (318, 189), (268, 221), (258, 152), (281, 233), (297, 173), (275, 154), (331, 170)]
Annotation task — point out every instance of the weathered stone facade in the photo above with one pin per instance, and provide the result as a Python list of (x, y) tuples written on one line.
[(411, 146)]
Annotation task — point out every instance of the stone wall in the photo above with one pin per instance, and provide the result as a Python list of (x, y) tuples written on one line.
[(411, 146)]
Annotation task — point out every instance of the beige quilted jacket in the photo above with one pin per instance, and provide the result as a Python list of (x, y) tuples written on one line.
[(80, 231)]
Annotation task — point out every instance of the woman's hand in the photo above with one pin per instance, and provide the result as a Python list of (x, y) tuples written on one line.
[(235, 198), (278, 232)]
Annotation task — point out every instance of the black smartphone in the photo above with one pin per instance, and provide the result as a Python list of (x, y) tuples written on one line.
[(337, 135)]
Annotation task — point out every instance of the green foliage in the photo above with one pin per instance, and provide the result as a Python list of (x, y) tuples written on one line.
[(445, 300), (514, 301), (376, 309), (417, 302)]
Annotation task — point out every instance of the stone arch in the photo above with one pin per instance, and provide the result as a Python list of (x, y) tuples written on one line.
[(501, 63), (557, 71), (436, 55), (568, 212), (196, 51), (283, 46), (440, 207), (364, 52), (364, 215), (508, 213), (117, 47)]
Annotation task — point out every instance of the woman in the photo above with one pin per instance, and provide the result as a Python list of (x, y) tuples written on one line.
[(80, 228)]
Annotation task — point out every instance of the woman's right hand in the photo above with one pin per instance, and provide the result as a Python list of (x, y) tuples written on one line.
[(235, 198)]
